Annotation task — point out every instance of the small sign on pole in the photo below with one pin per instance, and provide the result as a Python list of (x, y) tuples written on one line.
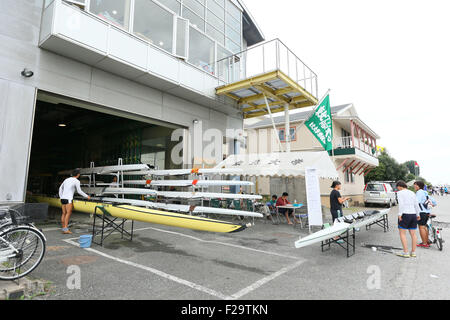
[(313, 197)]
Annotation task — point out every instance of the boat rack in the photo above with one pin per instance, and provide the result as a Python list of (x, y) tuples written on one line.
[(109, 225), (349, 236), (383, 223), (349, 242)]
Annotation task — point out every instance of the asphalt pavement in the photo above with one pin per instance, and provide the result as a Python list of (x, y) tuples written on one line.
[(258, 263)]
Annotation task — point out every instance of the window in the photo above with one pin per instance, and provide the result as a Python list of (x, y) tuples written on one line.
[(79, 3), (349, 176), (281, 135), (182, 36), (154, 23), (173, 5), (215, 34), (201, 50), (216, 22), (194, 19), (292, 134), (195, 7), (374, 187), (233, 35), (116, 12), (233, 10), (215, 8)]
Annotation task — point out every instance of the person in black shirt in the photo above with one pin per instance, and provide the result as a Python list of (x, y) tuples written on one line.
[(336, 201)]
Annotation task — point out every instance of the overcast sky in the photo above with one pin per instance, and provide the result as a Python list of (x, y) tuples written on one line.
[(389, 58)]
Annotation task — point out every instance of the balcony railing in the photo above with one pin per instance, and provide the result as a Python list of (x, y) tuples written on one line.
[(265, 58), (347, 143)]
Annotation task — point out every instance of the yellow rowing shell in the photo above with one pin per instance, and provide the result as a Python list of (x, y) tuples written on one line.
[(150, 216)]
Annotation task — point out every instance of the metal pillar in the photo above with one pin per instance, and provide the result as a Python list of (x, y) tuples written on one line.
[(287, 129)]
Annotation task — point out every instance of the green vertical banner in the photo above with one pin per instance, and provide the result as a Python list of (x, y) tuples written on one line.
[(321, 124)]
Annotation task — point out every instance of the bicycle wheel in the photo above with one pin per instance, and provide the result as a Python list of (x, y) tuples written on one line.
[(21, 250), (431, 235), (439, 244)]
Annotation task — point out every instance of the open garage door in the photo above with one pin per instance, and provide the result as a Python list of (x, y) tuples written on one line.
[(69, 134)]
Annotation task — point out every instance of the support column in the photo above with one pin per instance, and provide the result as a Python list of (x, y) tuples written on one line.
[(287, 128), (352, 129)]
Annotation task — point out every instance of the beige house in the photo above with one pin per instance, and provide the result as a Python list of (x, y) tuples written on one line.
[(354, 153)]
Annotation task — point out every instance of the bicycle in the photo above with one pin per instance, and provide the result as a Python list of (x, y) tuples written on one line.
[(22, 246), (434, 234)]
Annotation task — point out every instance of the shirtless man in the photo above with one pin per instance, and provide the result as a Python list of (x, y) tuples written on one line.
[(66, 193)]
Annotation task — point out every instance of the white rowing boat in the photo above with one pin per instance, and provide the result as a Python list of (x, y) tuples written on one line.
[(170, 194), (181, 208), (108, 169), (182, 172), (354, 221), (336, 230), (187, 183)]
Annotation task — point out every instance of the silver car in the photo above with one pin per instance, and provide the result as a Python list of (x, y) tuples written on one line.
[(379, 193)]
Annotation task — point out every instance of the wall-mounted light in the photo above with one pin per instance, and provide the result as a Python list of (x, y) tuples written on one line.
[(27, 73), (62, 125), (195, 121)]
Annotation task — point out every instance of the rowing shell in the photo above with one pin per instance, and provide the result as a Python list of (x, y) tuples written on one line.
[(187, 183), (108, 169), (183, 172), (170, 194), (182, 208), (151, 216), (334, 231), (353, 221)]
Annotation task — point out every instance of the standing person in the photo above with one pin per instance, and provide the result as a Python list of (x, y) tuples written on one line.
[(283, 201), (66, 193), (336, 200), (408, 215), (423, 199)]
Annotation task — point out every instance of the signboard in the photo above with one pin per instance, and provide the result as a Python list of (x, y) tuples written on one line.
[(313, 197)]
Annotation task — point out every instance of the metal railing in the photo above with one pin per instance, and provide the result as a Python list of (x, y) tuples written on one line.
[(265, 58), (347, 143)]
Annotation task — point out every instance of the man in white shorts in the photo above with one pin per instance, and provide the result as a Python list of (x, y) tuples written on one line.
[(66, 193)]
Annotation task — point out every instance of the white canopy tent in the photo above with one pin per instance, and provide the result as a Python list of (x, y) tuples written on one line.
[(292, 164)]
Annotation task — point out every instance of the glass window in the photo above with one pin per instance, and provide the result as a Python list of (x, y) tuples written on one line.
[(194, 19), (235, 24), (233, 47), (116, 12), (215, 34), (293, 134), (233, 11), (281, 135), (216, 9), (201, 50), (233, 35), (196, 7), (216, 22), (173, 5), (153, 23), (182, 29)]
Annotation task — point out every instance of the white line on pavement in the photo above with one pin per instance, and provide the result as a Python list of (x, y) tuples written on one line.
[(157, 272), (264, 280), (226, 244)]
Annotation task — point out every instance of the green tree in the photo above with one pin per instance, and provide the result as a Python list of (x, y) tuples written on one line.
[(411, 165), (388, 170)]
